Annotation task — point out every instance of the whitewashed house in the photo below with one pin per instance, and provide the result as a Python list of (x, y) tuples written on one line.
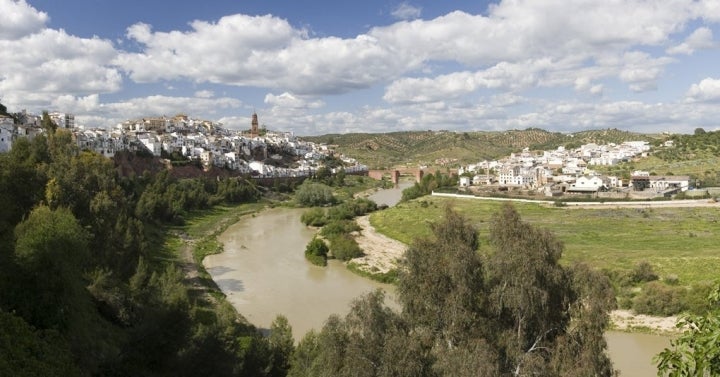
[(586, 184)]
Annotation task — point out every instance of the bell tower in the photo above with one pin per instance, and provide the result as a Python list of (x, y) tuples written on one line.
[(254, 132)]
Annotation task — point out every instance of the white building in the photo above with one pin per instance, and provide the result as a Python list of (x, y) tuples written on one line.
[(586, 184), (7, 133)]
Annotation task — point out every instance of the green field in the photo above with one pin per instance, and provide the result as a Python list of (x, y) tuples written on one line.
[(676, 241)]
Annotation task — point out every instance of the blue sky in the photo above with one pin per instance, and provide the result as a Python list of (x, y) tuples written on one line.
[(318, 67)]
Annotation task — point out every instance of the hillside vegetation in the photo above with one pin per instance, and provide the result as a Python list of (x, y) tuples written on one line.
[(436, 148)]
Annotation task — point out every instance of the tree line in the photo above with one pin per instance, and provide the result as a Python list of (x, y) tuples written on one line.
[(85, 286)]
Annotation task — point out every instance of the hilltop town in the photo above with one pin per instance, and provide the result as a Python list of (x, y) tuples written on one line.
[(261, 153), (256, 151)]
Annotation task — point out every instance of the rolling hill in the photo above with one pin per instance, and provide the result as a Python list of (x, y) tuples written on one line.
[(447, 148)]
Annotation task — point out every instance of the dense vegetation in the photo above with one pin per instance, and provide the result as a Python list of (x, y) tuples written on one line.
[(512, 311), (428, 184), (337, 227), (87, 286), (696, 351)]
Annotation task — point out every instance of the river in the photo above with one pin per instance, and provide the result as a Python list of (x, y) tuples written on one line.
[(264, 273)]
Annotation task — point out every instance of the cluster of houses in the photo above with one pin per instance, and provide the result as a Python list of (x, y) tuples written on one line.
[(564, 171), (262, 153), (256, 151)]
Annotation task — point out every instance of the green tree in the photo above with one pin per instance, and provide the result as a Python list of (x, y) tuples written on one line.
[(307, 351), (316, 252), (311, 194), (529, 289), (339, 179), (281, 345), (51, 249), (696, 352), (323, 174), (441, 281), (47, 123), (25, 351)]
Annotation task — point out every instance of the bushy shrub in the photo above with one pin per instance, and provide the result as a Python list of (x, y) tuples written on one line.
[(316, 252), (341, 212), (659, 299), (339, 227), (696, 299), (311, 194), (314, 217), (643, 272), (345, 247), (361, 206), (352, 208)]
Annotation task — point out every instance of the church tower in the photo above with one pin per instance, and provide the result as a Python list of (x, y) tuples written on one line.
[(254, 132)]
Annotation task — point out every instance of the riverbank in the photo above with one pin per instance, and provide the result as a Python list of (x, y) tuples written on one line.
[(382, 253)]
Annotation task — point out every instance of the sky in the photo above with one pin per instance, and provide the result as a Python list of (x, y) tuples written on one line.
[(319, 66)]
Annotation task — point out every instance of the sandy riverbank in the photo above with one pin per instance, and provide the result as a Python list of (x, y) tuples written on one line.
[(382, 254), (625, 320)]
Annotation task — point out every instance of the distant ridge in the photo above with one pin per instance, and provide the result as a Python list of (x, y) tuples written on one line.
[(433, 148)]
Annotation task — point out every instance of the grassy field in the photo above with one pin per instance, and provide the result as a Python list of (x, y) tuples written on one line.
[(676, 241)]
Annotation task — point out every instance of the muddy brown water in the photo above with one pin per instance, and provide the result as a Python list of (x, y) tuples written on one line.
[(264, 273)]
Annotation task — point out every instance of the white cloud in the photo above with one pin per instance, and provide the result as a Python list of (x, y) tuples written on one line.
[(262, 51), (92, 113), (20, 19), (406, 11), (707, 90), (701, 38), (204, 94), (289, 100), (585, 47), (505, 48), (39, 67)]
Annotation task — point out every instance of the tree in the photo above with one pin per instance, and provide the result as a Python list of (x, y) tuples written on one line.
[(47, 123), (441, 282), (51, 249), (304, 356), (281, 345), (339, 179), (25, 351), (696, 352), (528, 289), (316, 252), (699, 131), (311, 194)]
